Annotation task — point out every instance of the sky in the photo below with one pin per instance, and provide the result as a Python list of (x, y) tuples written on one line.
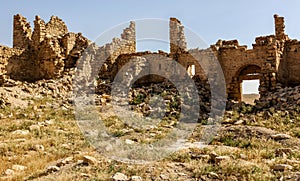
[(211, 20)]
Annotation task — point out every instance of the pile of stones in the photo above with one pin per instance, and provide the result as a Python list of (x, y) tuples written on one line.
[(11, 91), (159, 98), (283, 98)]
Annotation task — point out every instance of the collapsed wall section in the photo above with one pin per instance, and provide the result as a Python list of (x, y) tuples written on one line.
[(47, 51), (279, 28), (105, 56), (50, 49), (6, 55), (239, 63), (178, 43), (111, 51), (56, 27), (289, 67), (21, 32)]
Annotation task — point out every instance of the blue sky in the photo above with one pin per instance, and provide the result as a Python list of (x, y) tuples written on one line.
[(211, 20)]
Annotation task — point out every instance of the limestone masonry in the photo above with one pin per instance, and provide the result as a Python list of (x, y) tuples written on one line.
[(49, 49), (42, 53)]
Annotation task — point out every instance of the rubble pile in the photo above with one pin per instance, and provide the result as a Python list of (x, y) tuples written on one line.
[(283, 98), (152, 98), (18, 93)]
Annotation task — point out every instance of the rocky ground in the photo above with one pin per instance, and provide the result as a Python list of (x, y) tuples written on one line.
[(40, 138)]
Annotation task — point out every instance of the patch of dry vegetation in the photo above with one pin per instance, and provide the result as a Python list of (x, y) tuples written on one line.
[(51, 137)]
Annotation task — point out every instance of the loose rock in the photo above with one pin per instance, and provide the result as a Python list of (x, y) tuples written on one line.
[(282, 167), (9, 172), (20, 132), (89, 160), (119, 177), (18, 167), (53, 169), (278, 137), (136, 178)]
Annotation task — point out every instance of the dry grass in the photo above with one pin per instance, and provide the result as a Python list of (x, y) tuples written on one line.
[(58, 133), (251, 157)]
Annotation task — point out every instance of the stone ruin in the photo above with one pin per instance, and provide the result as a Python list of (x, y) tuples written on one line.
[(49, 50), (42, 53)]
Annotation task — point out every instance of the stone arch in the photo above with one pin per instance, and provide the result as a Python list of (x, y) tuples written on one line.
[(246, 72)]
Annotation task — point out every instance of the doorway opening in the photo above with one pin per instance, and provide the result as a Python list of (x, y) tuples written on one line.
[(245, 81), (250, 90)]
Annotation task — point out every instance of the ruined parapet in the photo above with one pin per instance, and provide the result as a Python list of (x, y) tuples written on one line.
[(119, 46), (21, 32), (267, 48), (56, 27), (47, 52), (129, 34), (279, 28), (6, 54), (39, 32), (74, 45), (289, 67), (68, 42), (228, 44), (264, 40), (178, 43)]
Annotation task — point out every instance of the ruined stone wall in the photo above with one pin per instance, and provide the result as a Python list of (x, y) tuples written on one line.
[(289, 67), (274, 59), (200, 59), (235, 58), (47, 52), (177, 39), (39, 32), (108, 53), (124, 45), (21, 32), (56, 27), (50, 49), (6, 55), (279, 28), (107, 56)]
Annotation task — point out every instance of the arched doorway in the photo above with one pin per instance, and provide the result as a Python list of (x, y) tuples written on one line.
[(249, 72)]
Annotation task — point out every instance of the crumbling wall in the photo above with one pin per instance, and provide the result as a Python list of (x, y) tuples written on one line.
[(177, 39), (235, 58), (39, 33), (107, 56), (21, 32), (197, 59), (289, 68), (50, 49), (124, 45), (74, 45), (109, 53), (47, 52), (279, 28), (6, 54), (56, 27)]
